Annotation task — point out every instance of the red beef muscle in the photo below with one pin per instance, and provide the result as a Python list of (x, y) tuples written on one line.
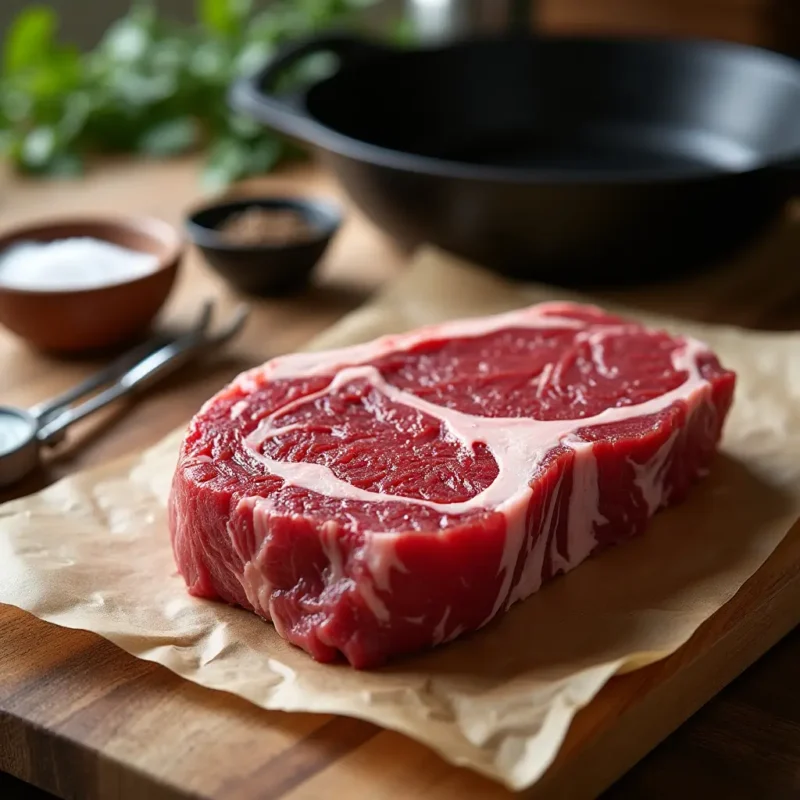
[(387, 497)]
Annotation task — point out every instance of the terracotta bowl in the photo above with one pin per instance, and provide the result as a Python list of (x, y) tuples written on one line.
[(93, 319)]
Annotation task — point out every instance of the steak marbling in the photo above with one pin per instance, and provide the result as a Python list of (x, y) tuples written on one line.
[(387, 497)]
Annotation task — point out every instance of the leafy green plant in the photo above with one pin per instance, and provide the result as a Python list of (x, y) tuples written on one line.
[(151, 86)]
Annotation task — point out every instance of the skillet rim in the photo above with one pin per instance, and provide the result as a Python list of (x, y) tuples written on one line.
[(326, 138)]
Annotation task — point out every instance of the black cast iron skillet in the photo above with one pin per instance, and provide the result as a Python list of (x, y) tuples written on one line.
[(574, 161)]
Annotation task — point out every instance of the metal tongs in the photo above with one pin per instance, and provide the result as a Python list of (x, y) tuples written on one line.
[(23, 432)]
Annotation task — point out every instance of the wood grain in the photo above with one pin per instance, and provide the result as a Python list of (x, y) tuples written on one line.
[(744, 744), (80, 718)]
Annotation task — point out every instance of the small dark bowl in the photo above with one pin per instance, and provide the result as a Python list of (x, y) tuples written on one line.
[(266, 269)]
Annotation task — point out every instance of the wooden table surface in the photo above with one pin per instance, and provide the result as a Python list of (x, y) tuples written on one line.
[(743, 744)]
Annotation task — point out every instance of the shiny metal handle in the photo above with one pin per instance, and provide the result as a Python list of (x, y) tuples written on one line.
[(164, 360), (447, 20), (159, 363), (49, 408)]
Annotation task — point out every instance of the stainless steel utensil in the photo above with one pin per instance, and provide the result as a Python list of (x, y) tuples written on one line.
[(436, 21), (23, 432)]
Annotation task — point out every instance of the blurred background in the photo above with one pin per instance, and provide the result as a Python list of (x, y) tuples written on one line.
[(82, 80), (769, 23)]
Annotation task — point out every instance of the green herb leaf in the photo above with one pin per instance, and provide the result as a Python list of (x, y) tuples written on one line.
[(153, 86), (404, 32), (39, 147), (253, 56), (169, 138), (227, 161), (128, 39), (232, 159), (224, 17), (30, 39)]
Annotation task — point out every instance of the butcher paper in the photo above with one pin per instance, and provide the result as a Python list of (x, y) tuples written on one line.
[(93, 552)]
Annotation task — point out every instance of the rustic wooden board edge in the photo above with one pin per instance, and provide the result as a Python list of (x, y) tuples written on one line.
[(65, 768), (615, 732), (61, 764), (630, 717)]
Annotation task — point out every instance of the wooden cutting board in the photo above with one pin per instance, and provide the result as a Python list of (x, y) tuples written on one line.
[(82, 719)]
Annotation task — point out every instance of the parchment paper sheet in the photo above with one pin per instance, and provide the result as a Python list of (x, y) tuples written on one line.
[(93, 552)]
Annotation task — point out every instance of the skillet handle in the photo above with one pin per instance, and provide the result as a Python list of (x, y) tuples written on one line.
[(255, 95)]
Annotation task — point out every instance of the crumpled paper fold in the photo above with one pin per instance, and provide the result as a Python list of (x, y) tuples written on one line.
[(92, 552)]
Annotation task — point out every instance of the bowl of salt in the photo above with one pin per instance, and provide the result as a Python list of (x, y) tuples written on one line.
[(86, 284)]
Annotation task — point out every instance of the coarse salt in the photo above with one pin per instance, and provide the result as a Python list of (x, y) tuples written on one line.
[(67, 264)]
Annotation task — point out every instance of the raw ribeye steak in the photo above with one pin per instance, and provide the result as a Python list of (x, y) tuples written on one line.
[(387, 497)]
